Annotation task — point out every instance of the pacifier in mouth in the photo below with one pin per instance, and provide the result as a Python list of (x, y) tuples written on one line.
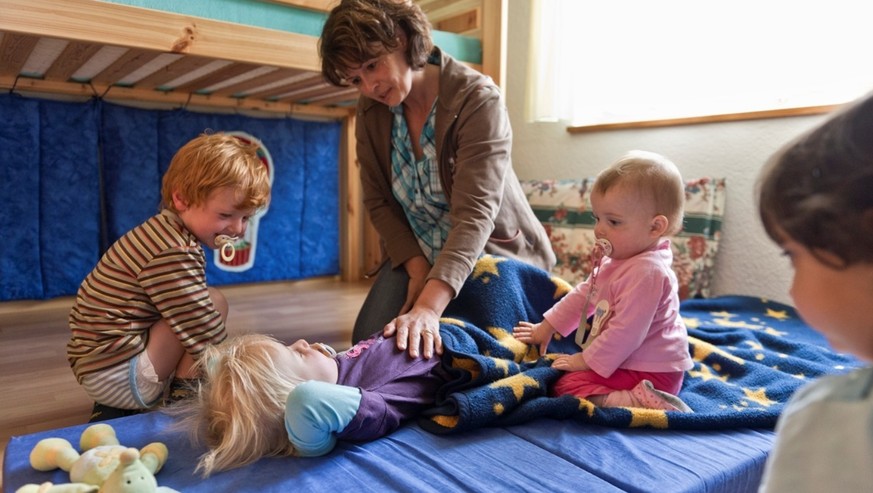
[(225, 246), (602, 248), (324, 349)]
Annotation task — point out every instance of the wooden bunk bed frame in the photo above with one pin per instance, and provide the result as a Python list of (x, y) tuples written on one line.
[(159, 57)]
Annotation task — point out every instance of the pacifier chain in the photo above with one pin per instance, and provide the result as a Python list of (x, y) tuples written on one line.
[(602, 248), (225, 246)]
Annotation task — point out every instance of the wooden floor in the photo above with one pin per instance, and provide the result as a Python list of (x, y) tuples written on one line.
[(37, 388)]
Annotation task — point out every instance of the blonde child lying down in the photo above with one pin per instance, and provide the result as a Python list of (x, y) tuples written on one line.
[(259, 397)]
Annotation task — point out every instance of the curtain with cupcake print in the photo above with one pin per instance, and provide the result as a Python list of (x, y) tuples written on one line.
[(76, 176)]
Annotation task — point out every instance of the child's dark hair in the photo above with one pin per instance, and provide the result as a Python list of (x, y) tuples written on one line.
[(359, 30), (818, 190)]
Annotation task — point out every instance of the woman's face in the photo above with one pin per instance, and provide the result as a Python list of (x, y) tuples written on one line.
[(836, 302), (386, 78)]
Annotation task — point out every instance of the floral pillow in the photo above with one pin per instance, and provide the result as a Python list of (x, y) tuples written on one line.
[(564, 208)]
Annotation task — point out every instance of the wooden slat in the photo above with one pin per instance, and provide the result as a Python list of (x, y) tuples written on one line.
[(437, 10), (127, 63), (494, 22), (346, 96), (247, 86), (302, 79), (173, 71), (14, 51), (270, 94), (73, 56), (312, 93), (462, 23), (351, 202), (216, 77), (178, 99), (297, 90), (122, 25)]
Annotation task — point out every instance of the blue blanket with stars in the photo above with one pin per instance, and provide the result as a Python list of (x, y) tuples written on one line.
[(749, 355)]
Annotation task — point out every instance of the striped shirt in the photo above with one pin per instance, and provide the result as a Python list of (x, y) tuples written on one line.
[(155, 271)]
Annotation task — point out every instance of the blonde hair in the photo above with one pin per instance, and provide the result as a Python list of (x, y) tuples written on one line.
[(654, 177), (239, 409), (209, 162)]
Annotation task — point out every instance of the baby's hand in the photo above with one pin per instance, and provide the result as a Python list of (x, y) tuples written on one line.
[(570, 362), (529, 333)]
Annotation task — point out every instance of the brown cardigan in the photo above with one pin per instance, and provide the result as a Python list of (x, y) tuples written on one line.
[(488, 210)]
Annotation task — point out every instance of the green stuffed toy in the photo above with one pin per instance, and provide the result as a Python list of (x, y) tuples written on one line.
[(104, 466)]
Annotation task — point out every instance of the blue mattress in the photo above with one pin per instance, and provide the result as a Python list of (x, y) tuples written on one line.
[(544, 455), (496, 427)]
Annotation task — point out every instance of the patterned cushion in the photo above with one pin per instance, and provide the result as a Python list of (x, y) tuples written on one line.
[(564, 208)]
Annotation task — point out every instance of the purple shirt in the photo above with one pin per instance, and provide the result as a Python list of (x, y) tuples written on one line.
[(394, 387)]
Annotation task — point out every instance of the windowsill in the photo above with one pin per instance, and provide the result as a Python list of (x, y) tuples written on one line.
[(728, 117)]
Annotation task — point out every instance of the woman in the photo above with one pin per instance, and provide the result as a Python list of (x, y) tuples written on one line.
[(434, 143)]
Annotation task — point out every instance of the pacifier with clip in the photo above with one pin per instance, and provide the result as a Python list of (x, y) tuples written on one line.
[(225, 246), (602, 248)]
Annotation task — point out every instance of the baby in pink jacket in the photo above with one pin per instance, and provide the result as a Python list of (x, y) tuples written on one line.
[(634, 343)]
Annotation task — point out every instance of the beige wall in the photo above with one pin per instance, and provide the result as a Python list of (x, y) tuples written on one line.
[(748, 263)]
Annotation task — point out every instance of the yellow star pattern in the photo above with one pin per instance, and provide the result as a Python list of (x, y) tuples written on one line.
[(759, 396), (532, 354), (517, 383), (504, 338), (754, 345), (486, 267), (453, 321), (778, 314), (774, 332), (655, 418), (692, 322), (562, 287), (469, 365), (722, 314), (706, 374), (502, 365), (738, 325), (701, 350), (445, 421), (587, 406)]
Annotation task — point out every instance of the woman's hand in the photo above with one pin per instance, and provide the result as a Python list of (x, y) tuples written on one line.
[(419, 328), (529, 333)]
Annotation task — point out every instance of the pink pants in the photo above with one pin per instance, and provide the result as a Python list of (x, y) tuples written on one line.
[(587, 383)]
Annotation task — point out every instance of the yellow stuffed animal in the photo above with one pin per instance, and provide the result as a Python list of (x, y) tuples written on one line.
[(104, 465)]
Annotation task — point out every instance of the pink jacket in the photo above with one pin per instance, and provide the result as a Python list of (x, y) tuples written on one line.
[(636, 323)]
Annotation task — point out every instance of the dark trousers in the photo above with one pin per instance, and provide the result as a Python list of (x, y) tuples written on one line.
[(383, 302)]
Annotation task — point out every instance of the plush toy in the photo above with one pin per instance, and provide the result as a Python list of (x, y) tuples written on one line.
[(104, 465)]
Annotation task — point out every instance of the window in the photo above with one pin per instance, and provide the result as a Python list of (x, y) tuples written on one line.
[(606, 62)]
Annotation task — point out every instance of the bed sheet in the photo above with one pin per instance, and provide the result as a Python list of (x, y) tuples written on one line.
[(543, 455)]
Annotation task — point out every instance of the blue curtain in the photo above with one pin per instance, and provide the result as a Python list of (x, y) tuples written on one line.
[(74, 177)]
